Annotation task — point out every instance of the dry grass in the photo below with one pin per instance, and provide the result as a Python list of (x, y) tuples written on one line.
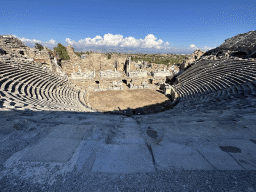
[(121, 100)]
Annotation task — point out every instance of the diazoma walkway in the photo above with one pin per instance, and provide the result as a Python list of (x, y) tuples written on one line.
[(50, 140)]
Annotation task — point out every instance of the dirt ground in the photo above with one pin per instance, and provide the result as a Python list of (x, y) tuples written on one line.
[(123, 99)]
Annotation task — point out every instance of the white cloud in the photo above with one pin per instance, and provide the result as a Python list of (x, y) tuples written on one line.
[(192, 46), (118, 41), (205, 48), (166, 43), (31, 42)]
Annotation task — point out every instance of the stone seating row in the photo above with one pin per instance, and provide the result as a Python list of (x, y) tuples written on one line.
[(223, 77), (8, 78), (201, 67), (17, 84), (189, 93), (29, 67), (195, 67), (228, 65), (232, 94), (25, 100), (222, 83), (219, 70), (248, 88)]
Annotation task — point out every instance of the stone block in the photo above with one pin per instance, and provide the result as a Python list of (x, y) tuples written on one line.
[(52, 150), (131, 158)]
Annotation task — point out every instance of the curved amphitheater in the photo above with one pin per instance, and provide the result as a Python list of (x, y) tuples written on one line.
[(49, 137), (25, 86)]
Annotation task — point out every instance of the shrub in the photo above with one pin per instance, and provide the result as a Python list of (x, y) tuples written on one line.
[(79, 53), (62, 51), (39, 46)]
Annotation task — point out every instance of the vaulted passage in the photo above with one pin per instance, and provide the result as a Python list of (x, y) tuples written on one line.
[(219, 53), (239, 54)]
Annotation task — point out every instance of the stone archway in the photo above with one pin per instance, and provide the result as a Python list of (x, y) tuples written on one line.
[(240, 54)]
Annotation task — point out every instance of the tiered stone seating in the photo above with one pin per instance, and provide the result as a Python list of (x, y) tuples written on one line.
[(217, 79), (23, 85)]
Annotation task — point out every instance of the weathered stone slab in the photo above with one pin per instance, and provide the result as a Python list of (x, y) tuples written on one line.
[(87, 154), (243, 150), (178, 156), (52, 150), (216, 157), (131, 158), (69, 131)]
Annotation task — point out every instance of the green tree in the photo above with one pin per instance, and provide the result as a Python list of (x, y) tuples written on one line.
[(109, 56), (79, 53), (62, 51), (39, 46)]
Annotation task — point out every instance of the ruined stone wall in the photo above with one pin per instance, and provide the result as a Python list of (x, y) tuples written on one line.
[(110, 85), (67, 67), (139, 74), (96, 72), (85, 75), (161, 73), (196, 55), (14, 47), (100, 62), (138, 83), (175, 69), (71, 53), (109, 74), (98, 85), (18, 51), (11, 44), (42, 56)]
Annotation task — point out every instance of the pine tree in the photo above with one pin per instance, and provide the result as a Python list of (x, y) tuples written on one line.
[(39, 46)]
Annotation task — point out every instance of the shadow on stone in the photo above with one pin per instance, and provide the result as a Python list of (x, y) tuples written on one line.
[(230, 149)]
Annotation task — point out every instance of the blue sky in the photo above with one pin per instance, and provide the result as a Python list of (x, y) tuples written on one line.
[(127, 26)]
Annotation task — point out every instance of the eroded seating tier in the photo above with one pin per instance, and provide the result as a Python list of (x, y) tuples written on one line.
[(23, 85)]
